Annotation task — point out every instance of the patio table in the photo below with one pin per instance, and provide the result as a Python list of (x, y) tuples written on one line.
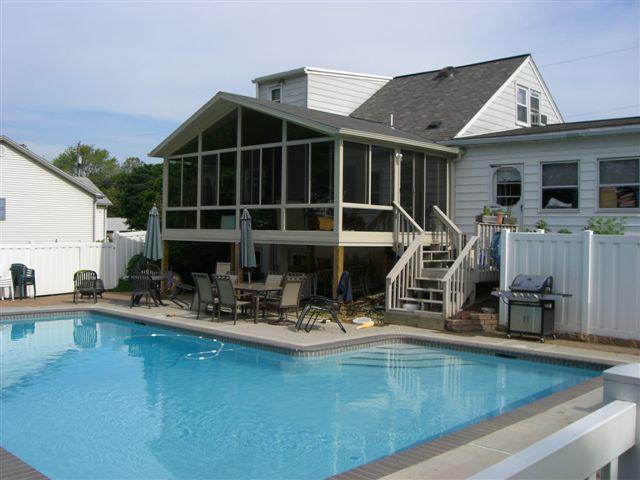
[(255, 289)]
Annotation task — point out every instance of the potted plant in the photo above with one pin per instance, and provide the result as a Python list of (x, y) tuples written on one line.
[(486, 214), (499, 216)]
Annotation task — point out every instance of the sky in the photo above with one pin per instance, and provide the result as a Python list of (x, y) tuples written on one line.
[(124, 75)]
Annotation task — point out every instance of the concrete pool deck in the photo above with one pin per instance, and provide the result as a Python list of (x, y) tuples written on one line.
[(457, 455)]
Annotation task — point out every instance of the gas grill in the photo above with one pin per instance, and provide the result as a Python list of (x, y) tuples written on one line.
[(531, 305)]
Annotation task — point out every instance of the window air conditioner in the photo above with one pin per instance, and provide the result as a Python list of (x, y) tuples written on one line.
[(538, 120)]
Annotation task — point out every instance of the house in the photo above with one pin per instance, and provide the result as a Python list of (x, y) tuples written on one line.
[(41, 203), (563, 174), (117, 224), (349, 171)]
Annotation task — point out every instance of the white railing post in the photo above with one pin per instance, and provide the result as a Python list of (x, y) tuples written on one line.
[(622, 382), (587, 267)]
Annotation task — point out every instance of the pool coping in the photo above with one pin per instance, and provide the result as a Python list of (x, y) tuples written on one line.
[(397, 461), (12, 468)]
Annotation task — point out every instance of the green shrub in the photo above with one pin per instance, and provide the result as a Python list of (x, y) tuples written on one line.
[(606, 225), (543, 225), (124, 285), (564, 230)]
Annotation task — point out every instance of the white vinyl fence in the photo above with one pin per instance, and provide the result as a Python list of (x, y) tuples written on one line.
[(601, 272), (56, 262)]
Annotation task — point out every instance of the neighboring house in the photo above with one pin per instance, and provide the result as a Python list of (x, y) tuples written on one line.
[(562, 174), (348, 171), (41, 203), (117, 224)]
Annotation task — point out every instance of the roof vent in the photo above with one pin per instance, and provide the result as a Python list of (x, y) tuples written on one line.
[(433, 125), (446, 72)]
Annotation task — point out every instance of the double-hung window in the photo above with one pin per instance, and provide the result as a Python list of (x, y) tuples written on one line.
[(522, 105), (619, 183), (275, 93), (3, 208), (560, 185), (534, 104)]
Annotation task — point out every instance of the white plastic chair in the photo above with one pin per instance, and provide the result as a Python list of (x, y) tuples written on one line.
[(6, 281)]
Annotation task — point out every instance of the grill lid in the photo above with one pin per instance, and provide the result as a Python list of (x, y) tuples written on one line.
[(532, 283)]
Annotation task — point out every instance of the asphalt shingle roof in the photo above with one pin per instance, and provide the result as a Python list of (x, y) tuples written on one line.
[(420, 99)]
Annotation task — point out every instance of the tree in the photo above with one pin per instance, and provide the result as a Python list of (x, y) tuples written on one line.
[(130, 163), (97, 164), (137, 191)]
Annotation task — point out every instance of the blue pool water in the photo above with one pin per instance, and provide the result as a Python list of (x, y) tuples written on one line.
[(94, 397)]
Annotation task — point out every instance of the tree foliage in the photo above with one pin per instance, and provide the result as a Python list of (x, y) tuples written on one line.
[(97, 163)]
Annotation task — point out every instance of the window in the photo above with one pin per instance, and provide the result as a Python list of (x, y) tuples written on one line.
[(297, 132), (560, 185), (310, 173), (271, 176), (190, 147), (218, 219), (508, 186), (275, 94), (522, 105), (259, 128), (355, 159), (3, 209), (619, 183), (250, 177), (209, 180), (367, 220), (227, 179), (218, 179), (182, 185), (381, 175), (222, 134), (181, 219), (265, 219), (535, 102), (309, 219)]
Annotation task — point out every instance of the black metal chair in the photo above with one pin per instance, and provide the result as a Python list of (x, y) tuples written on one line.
[(85, 284), (143, 286), (22, 278), (318, 306)]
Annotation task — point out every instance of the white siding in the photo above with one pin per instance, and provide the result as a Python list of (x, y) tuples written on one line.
[(294, 90), (41, 206), (500, 113), (101, 224), (474, 178), (340, 94)]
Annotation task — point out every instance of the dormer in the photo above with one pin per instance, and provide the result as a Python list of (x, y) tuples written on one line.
[(319, 89)]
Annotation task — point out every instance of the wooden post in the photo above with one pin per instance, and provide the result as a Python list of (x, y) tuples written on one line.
[(338, 267), (164, 264)]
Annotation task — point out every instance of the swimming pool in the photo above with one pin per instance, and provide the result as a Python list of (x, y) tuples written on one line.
[(91, 396)]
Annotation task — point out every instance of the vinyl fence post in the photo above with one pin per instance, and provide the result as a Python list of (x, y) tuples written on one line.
[(505, 239), (585, 290), (622, 382)]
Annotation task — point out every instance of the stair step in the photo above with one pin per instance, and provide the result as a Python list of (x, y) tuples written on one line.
[(420, 300), (426, 290), (441, 260)]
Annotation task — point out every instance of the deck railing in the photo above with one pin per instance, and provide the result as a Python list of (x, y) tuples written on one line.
[(445, 231), (485, 266), (457, 283), (403, 274), (605, 442), (405, 228)]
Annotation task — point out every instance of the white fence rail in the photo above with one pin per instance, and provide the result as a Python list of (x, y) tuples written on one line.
[(605, 441), (56, 262), (601, 272)]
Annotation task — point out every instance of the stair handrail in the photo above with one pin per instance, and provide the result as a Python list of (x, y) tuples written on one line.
[(457, 282), (403, 274), (451, 230), (405, 228)]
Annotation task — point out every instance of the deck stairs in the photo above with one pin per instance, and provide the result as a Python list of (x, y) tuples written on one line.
[(433, 275)]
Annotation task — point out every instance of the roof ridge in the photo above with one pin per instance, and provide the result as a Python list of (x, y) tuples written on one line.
[(523, 55)]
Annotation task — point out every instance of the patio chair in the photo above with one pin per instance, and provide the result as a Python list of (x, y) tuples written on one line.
[(326, 306), (143, 286), (6, 282), (175, 286), (289, 298), (22, 278), (85, 284), (227, 297), (206, 293)]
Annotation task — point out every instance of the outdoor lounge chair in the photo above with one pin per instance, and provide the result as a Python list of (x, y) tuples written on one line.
[(289, 298), (6, 282), (205, 293), (143, 285), (175, 286), (85, 284), (22, 278), (227, 297), (326, 306)]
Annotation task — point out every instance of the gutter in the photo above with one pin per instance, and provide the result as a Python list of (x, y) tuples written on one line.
[(532, 137)]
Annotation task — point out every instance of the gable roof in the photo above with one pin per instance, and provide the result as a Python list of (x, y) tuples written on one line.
[(526, 134), (421, 99), (82, 183), (329, 123)]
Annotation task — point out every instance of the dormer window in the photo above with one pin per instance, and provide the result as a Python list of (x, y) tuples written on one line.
[(275, 94), (522, 105)]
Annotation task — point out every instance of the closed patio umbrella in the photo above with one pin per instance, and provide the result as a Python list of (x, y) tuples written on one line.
[(247, 250), (152, 246)]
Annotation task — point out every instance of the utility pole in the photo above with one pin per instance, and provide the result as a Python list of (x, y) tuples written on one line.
[(79, 160)]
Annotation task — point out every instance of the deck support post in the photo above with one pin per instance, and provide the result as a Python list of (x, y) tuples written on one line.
[(164, 263), (338, 267)]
